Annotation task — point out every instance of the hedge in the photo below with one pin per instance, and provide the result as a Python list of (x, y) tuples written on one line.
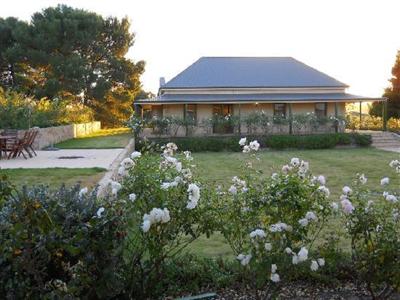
[(318, 141), (230, 143)]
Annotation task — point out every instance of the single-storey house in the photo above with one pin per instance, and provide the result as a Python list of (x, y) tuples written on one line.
[(278, 89)]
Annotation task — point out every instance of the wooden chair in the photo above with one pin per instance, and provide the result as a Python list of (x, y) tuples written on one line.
[(17, 147), (6, 145), (28, 147)]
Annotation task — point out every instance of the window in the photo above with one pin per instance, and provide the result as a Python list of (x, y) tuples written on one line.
[(320, 109), (191, 112), (222, 109), (280, 109), (221, 112)]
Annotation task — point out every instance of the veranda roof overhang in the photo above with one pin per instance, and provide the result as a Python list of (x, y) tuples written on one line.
[(255, 98)]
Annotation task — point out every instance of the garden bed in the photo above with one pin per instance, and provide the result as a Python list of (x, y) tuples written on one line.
[(303, 290)]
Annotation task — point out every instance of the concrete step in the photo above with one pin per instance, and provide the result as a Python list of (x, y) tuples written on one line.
[(383, 139), (386, 140), (386, 145)]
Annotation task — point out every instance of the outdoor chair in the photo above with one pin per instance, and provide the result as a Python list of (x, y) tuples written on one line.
[(6, 145), (29, 144), (17, 146)]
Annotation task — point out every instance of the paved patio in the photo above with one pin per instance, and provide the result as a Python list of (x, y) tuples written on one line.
[(74, 158)]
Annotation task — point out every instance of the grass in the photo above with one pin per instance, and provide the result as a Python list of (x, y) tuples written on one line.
[(55, 177), (103, 139), (338, 165)]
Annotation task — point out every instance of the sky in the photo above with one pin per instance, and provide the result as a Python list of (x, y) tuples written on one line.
[(354, 41)]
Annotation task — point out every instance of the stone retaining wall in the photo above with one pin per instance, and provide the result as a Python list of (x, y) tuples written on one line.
[(53, 135)]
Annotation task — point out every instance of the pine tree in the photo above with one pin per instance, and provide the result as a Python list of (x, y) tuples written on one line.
[(71, 53)]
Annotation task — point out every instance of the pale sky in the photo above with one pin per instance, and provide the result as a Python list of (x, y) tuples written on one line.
[(354, 41)]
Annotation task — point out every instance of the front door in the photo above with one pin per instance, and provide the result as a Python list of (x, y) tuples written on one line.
[(222, 115)]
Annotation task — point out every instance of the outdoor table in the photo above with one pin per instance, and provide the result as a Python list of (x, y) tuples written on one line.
[(3, 142)]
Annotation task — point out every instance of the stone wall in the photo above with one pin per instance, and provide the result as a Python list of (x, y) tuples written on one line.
[(86, 128), (53, 135)]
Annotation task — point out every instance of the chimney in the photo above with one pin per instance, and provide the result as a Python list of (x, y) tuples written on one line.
[(162, 81)]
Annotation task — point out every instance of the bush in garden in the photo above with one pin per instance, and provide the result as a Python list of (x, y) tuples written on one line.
[(271, 224), (362, 140), (20, 112), (225, 124), (317, 141), (160, 125), (207, 124), (63, 243), (373, 225), (300, 121), (252, 122), (371, 122), (280, 122), (176, 123), (167, 209), (344, 138), (137, 124), (320, 141), (6, 189)]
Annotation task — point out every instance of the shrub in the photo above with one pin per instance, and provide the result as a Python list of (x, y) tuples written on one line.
[(136, 124), (271, 224), (373, 225), (278, 142), (371, 122), (318, 141), (56, 244), (6, 189), (344, 139), (167, 209), (19, 112), (362, 140)]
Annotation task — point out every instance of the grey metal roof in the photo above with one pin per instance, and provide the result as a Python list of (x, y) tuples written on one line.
[(240, 72), (252, 98)]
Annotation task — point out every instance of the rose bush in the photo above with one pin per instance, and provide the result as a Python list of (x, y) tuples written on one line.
[(271, 224), (372, 223), (167, 209)]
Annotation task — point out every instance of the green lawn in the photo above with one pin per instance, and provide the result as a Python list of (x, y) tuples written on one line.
[(104, 139), (55, 176), (338, 165)]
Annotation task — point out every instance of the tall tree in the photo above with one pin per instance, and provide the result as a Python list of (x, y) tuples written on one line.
[(392, 93), (76, 54), (9, 67)]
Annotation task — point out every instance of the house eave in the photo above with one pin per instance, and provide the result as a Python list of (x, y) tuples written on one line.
[(256, 98)]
